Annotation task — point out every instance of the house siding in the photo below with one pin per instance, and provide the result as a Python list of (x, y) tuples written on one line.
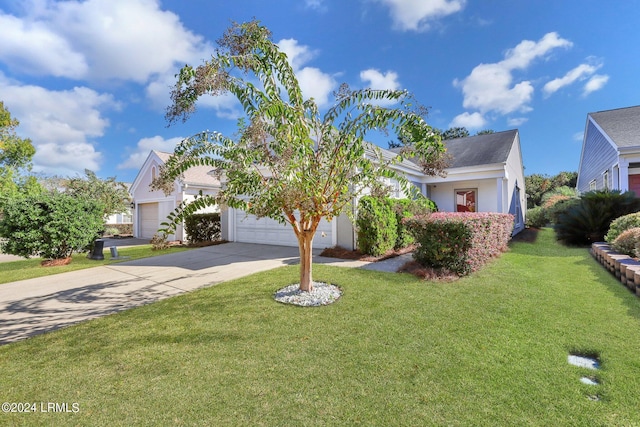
[(598, 156)]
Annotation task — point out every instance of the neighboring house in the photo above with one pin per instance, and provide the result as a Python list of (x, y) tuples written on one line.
[(485, 175), (124, 217), (610, 156), (152, 207)]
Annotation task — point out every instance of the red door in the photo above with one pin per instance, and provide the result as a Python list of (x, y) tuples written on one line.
[(634, 184)]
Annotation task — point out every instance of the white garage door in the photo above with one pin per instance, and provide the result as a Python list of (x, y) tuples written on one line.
[(267, 231), (149, 222)]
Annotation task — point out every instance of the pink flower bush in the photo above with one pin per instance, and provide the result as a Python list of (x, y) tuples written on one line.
[(460, 242)]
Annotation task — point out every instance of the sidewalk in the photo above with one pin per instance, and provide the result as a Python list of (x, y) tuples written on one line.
[(34, 306)]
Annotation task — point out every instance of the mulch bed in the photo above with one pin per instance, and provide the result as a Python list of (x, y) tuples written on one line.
[(55, 262), (342, 253)]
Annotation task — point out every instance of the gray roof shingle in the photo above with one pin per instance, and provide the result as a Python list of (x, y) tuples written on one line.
[(622, 125), (479, 149)]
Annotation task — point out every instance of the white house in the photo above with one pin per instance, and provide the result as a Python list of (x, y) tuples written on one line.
[(485, 175), (610, 156), (152, 207)]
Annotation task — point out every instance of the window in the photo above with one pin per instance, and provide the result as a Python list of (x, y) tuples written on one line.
[(592, 185), (605, 180), (466, 200)]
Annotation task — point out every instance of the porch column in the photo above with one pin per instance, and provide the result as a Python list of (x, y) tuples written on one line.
[(624, 176), (500, 194)]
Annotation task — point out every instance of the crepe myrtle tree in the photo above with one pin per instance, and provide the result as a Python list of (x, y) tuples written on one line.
[(288, 161)]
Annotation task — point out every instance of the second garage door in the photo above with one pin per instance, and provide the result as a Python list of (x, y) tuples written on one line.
[(250, 229)]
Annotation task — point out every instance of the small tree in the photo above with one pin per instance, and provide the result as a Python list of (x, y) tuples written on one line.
[(113, 195), (51, 226), (289, 162), (15, 158)]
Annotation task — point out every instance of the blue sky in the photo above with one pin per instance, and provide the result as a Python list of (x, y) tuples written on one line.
[(89, 80)]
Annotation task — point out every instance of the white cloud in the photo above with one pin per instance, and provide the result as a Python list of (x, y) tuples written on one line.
[(517, 121), (378, 80), (595, 83), (491, 87), (578, 136), (33, 48), (314, 83), (60, 124), (297, 54), (99, 39), (417, 15), (144, 146), (580, 72), (315, 4), (469, 121)]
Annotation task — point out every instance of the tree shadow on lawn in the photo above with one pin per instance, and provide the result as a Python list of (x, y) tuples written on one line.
[(43, 313)]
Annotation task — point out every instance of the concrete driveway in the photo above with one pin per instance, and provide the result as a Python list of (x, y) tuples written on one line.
[(34, 306)]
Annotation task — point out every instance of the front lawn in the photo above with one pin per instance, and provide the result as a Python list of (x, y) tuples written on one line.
[(31, 268), (489, 349)]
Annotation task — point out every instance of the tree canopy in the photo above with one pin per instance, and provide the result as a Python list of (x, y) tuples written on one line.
[(288, 161), (15, 157), (112, 195)]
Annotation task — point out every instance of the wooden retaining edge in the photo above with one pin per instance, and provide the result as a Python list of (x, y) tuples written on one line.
[(625, 268)]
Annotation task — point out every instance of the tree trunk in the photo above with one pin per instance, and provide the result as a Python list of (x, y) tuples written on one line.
[(305, 244)]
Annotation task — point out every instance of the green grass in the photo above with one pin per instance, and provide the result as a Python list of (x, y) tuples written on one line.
[(490, 349), (31, 268)]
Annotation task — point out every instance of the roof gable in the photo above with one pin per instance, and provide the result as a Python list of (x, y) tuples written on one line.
[(197, 175), (622, 125), (480, 150)]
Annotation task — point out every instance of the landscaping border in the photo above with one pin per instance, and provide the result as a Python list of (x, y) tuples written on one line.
[(625, 268)]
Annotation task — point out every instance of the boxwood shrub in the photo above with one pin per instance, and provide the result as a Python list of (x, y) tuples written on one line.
[(377, 226), (460, 242), (621, 224), (379, 222)]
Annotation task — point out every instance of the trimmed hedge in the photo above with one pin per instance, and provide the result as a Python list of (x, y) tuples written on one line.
[(203, 227), (460, 242)]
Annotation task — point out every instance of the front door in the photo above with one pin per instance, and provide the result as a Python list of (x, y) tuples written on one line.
[(634, 184)]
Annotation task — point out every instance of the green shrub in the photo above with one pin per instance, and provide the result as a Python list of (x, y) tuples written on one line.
[(407, 208), (122, 229), (52, 226), (377, 226), (203, 227), (627, 242), (537, 217), (588, 220), (111, 231), (621, 224), (561, 205)]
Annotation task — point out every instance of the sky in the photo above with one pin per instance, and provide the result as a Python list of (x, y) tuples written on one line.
[(90, 80)]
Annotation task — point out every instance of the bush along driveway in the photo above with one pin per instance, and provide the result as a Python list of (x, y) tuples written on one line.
[(489, 349)]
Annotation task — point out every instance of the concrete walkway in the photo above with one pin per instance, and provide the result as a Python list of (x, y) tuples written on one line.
[(34, 306)]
